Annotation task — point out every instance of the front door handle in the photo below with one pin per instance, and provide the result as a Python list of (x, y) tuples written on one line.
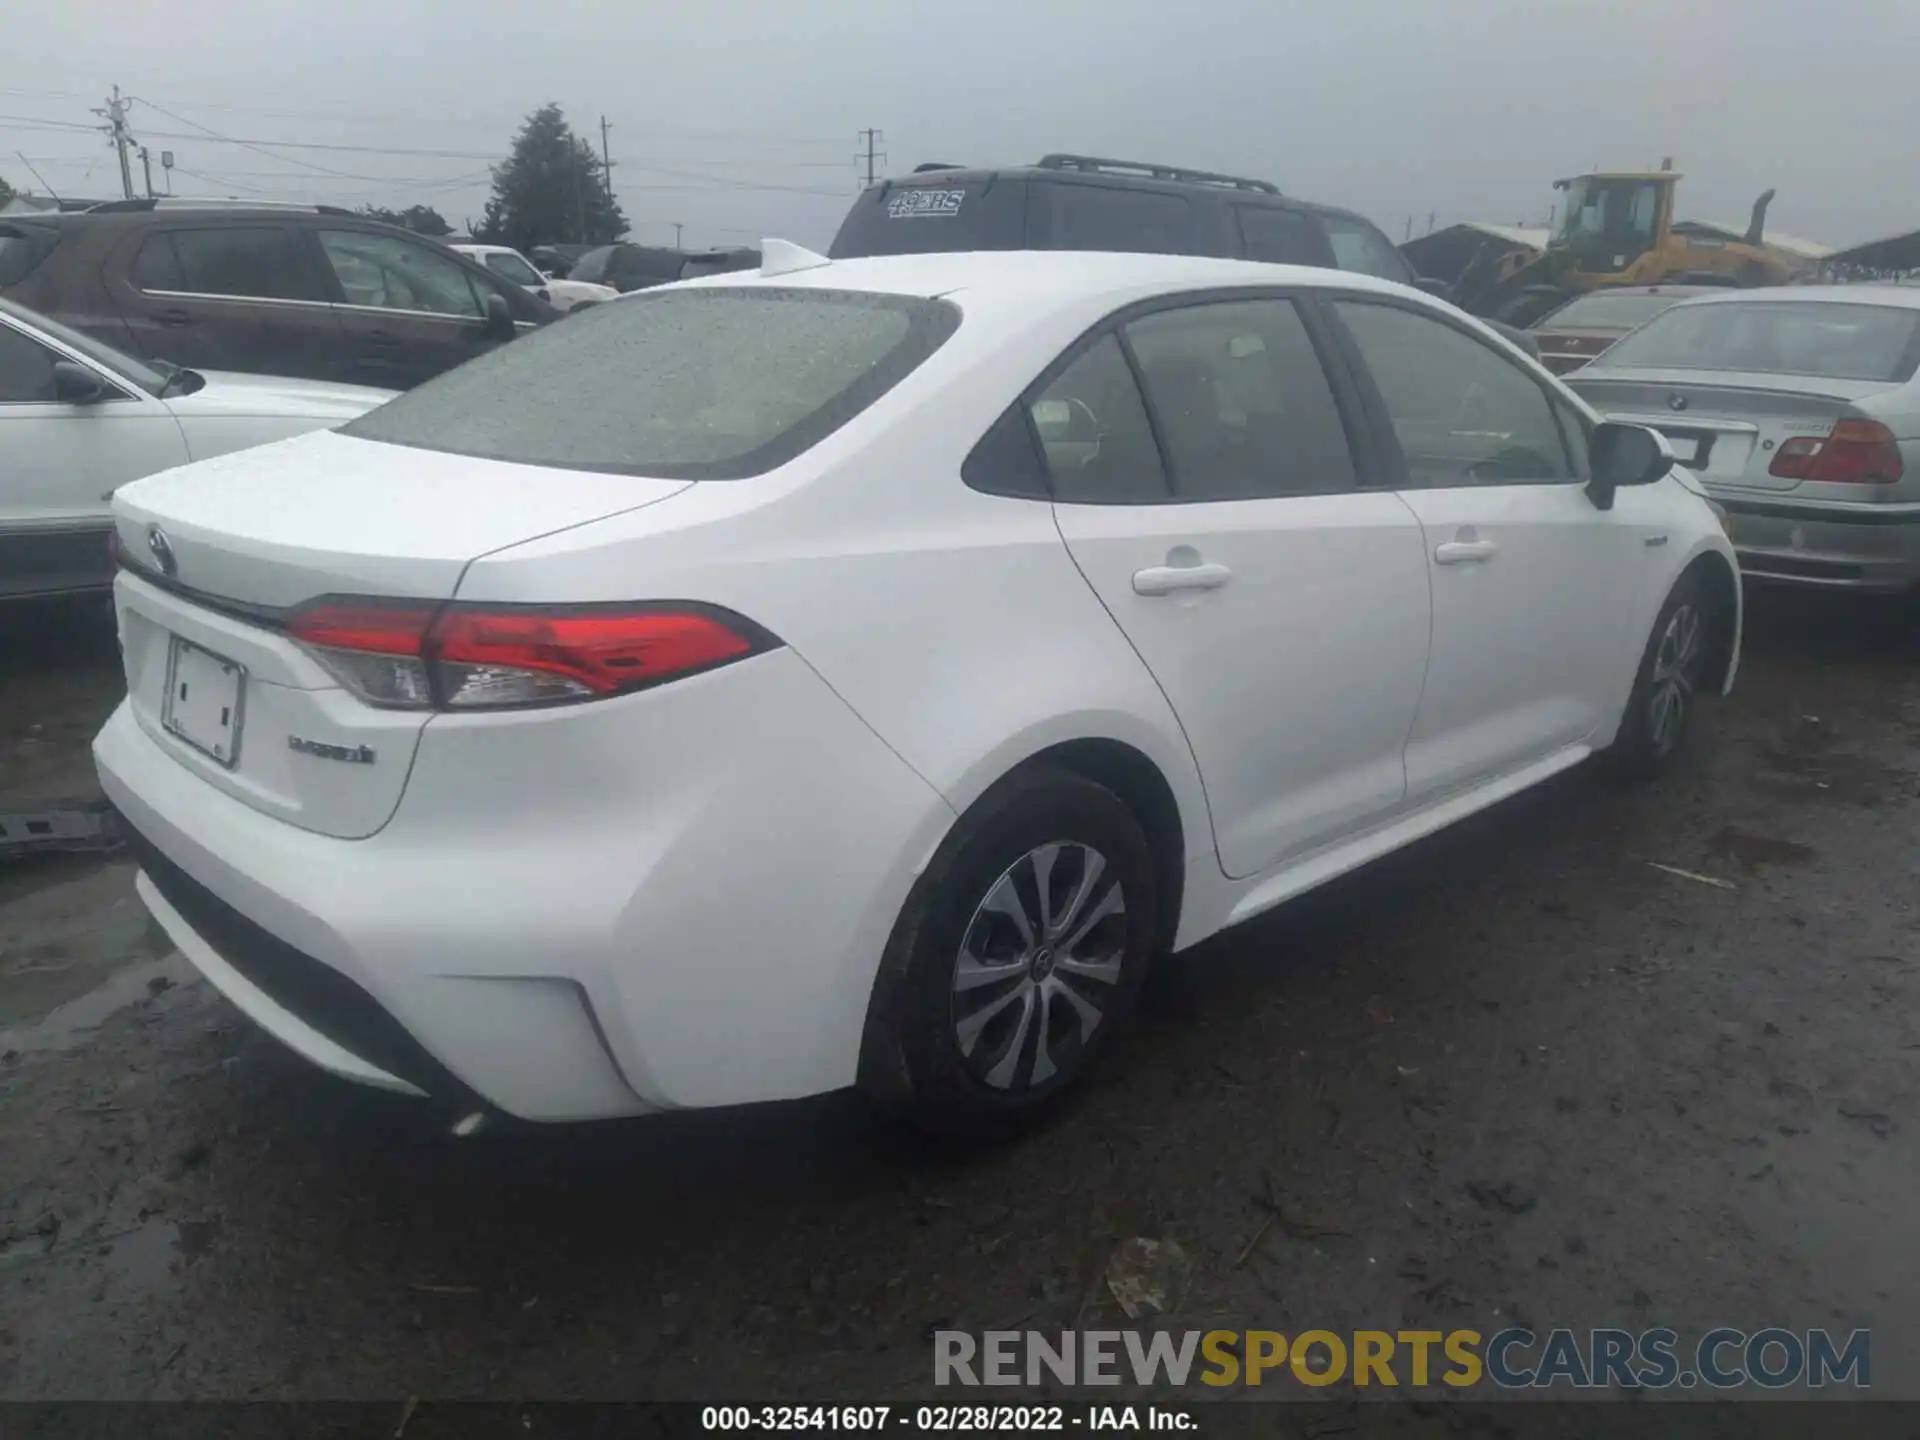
[(1464, 552), (1166, 579)]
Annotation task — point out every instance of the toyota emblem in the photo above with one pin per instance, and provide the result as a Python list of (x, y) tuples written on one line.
[(162, 551), (1676, 402)]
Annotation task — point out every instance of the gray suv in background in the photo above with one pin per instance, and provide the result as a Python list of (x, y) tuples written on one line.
[(1083, 202)]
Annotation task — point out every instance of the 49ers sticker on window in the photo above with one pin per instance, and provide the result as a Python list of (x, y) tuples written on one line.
[(924, 204)]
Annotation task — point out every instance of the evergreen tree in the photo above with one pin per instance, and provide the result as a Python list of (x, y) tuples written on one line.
[(551, 190)]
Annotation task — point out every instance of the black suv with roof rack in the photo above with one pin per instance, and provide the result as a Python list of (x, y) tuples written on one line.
[(311, 291), (1084, 202)]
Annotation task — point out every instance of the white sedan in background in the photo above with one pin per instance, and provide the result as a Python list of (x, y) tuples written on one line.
[(514, 268), (78, 418), (859, 670)]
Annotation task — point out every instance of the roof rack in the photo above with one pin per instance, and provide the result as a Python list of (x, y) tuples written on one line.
[(1157, 172), (188, 202)]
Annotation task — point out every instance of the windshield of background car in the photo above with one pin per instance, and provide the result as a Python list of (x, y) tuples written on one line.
[(510, 267), (1608, 312), (1839, 341), (708, 384), (118, 362)]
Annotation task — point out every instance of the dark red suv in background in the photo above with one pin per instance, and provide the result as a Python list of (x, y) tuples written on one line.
[(302, 290)]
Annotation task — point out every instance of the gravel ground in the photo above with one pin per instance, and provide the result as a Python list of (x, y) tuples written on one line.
[(1517, 1074)]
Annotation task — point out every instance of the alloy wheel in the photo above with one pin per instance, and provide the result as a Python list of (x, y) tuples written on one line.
[(1039, 966), (1676, 662)]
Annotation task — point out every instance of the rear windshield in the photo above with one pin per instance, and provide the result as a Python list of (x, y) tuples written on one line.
[(22, 247), (1608, 312), (1835, 341), (706, 384), (935, 215), (592, 265)]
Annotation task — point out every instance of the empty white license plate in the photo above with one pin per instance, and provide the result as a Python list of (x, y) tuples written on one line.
[(203, 704)]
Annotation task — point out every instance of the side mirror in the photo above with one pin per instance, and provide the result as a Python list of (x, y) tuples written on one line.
[(75, 384), (499, 317), (1622, 456)]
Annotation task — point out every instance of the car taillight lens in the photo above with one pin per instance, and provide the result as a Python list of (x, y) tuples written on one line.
[(484, 657), (1858, 452)]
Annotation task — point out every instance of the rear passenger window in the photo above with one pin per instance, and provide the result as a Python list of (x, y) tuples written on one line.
[(1463, 413), (1094, 433), (1279, 237), (1100, 217), (261, 263), (1244, 409), (26, 369)]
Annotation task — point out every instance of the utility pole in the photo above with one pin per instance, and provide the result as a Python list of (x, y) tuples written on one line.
[(146, 168), (606, 161), (116, 116), (869, 155), (580, 198), (677, 228)]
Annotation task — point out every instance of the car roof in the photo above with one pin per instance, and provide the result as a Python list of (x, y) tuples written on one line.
[(1172, 180), (1903, 297), (1070, 274)]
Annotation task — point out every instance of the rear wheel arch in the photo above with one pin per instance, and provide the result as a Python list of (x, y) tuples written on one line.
[(1719, 582), (1125, 771), (1137, 781)]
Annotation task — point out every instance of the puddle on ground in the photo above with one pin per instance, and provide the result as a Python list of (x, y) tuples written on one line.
[(1753, 851), (67, 1026), (146, 1257), (1845, 777)]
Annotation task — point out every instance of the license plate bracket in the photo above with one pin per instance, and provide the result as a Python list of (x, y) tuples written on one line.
[(205, 701), (1689, 449)]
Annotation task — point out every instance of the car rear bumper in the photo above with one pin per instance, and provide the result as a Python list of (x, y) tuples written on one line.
[(682, 904), (1859, 547), (64, 559)]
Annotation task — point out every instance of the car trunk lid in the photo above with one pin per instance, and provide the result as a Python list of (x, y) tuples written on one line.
[(1727, 429), (219, 557)]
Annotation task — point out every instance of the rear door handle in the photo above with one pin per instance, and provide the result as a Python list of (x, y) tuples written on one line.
[(174, 317), (1166, 579), (1464, 552)]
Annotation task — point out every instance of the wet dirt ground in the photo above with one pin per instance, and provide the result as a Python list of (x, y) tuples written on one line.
[(1520, 1074)]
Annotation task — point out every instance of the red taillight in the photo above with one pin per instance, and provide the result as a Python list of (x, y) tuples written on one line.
[(1858, 452), (469, 657), (113, 548), (370, 627)]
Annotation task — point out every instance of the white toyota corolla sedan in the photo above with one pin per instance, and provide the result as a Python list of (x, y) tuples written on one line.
[(857, 671)]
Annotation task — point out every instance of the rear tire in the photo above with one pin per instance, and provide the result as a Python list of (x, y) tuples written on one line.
[(1017, 960), (1666, 690)]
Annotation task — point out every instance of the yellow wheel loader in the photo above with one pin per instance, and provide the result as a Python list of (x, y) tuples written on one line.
[(1616, 228)]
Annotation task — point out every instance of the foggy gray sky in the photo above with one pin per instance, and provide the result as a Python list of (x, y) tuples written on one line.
[(1397, 108)]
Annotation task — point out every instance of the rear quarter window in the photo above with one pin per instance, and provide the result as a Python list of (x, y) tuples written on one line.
[(707, 384), (1109, 217), (22, 248)]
